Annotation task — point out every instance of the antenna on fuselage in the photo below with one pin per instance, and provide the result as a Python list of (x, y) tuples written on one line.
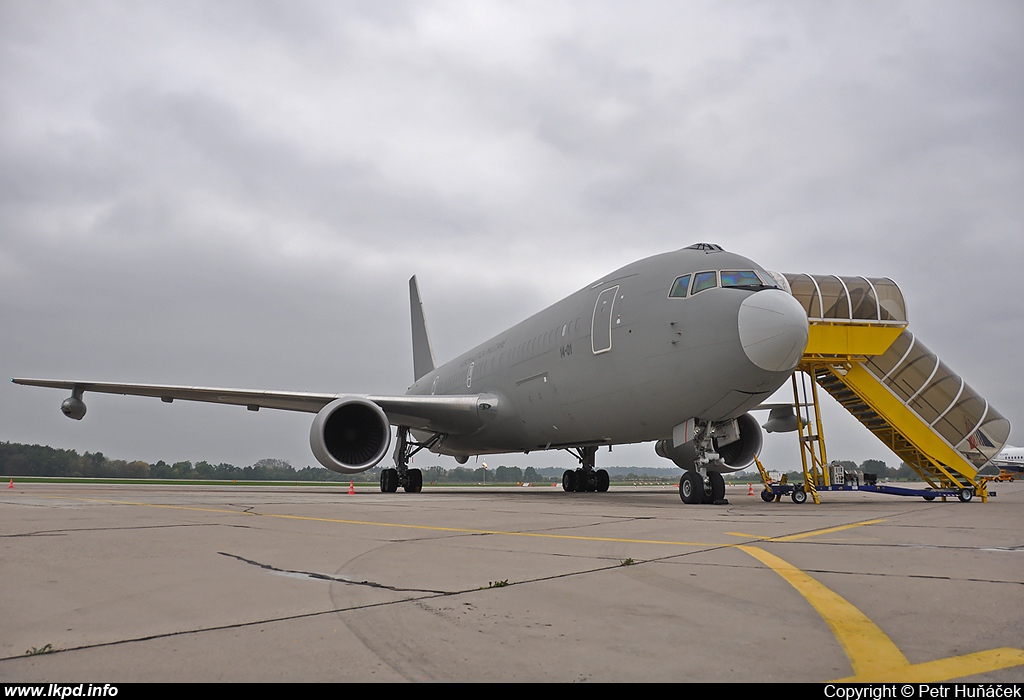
[(422, 351)]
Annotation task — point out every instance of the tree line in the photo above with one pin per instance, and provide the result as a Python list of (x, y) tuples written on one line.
[(41, 460)]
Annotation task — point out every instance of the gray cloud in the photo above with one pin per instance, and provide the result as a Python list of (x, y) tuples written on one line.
[(234, 194)]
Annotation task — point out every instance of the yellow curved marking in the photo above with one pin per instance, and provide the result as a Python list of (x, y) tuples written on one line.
[(865, 644), (873, 656)]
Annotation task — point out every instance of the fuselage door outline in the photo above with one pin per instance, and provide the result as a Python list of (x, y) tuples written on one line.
[(601, 327)]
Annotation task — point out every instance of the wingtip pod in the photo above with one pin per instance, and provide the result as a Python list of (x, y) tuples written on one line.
[(422, 351), (73, 407)]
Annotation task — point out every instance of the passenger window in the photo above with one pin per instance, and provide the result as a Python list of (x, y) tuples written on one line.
[(680, 286), (704, 280), (740, 278)]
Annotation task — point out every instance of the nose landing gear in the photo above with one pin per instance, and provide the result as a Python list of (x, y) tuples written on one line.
[(695, 488)]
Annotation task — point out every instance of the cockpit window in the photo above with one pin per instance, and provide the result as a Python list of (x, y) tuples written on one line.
[(741, 278), (704, 280), (680, 286), (767, 278)]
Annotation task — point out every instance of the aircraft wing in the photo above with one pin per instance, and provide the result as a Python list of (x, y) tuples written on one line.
[(444, 414)]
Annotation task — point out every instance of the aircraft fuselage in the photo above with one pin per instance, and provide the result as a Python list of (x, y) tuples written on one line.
[(622, 361)]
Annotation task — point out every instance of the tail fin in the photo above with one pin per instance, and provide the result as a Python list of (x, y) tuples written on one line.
[(422, 352)]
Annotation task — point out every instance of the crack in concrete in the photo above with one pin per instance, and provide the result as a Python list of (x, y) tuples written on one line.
[(69, 531), (216, 628), (333, 579)]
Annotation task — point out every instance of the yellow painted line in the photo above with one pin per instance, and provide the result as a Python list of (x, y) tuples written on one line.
[(471, 531), (804, 535), (873, 656), (432, 528), (865, 644), (945, 669), (825, 531)]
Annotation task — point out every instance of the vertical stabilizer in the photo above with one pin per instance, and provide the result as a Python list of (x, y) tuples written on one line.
[(422, 352)]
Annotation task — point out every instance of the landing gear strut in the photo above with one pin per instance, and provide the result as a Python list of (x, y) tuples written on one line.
[(585, 478), (702, 485), (409, 479)]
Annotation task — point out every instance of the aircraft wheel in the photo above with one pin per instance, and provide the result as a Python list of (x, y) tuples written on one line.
[(602, 480), (717, 486), (388, 480), (415, 484), (799, 496), (691, 488), (767, 496), (965, 495), (569, 480)]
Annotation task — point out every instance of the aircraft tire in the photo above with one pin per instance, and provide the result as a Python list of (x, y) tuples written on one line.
[(799, 495), (691, 488), (717, 486), (965, 495), (569, 481), (767, 496), (415, 484), (603, 480), (388, 480)]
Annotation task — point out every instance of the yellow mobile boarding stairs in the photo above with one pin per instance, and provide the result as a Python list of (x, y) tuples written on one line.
[(860, 352)]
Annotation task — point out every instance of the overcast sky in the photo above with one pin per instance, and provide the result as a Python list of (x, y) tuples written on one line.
[(235, 193)]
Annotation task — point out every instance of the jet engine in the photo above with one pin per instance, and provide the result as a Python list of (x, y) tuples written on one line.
[(350, 435), (737, 442)]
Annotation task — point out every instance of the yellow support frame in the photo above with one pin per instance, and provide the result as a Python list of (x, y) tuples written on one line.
[(840, 349), (813, 456), (920, 435)]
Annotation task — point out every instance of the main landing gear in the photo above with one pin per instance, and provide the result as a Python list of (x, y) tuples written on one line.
[(585, 478), (695, 487), (409, 479)]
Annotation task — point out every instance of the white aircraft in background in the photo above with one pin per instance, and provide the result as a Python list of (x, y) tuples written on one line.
[(1009, 459)]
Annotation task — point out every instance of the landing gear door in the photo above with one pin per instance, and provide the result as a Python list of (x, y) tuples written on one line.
[(601, 328)]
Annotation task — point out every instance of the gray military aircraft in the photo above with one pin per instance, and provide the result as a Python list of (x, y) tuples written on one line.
[(675, 349)]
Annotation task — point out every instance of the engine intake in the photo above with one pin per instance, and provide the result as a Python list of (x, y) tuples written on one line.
[(736, 445), (350, 435)]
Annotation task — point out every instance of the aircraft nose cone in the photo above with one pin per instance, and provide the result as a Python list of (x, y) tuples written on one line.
[(773, 330)]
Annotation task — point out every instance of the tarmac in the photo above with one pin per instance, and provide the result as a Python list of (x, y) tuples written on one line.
[(123, 583)]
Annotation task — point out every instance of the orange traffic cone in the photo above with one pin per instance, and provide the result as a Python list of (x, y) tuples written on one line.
[(11, 485), (351, 487), (750, 492)]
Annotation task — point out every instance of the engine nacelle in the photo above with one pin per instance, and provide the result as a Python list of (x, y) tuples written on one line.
[(350, 435), (736, 442), (73, 407)]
